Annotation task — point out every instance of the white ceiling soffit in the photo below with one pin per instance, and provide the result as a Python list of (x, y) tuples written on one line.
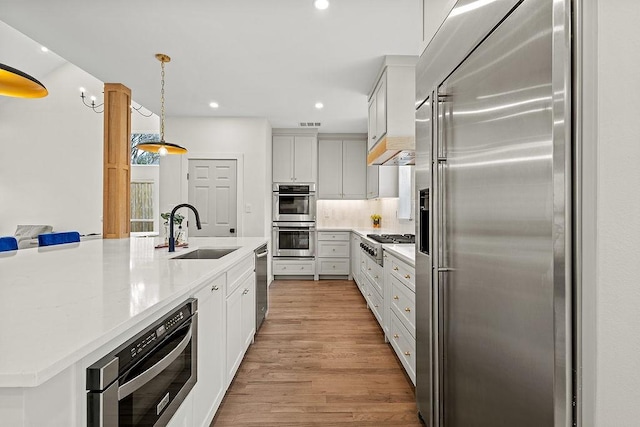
[(255, 58)]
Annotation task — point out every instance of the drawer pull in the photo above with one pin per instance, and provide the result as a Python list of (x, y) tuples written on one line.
[(369, 268), (395, 268), (407, 353), (375, 277), (407, 276), (333, 250), (215, 287), (246, 291), (396, 297), (375, 306), (396, 336), (407, 309), (284, 268), (368, 295)]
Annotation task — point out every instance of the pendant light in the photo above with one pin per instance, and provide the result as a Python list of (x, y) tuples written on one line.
[(18, 84), (162, 147)]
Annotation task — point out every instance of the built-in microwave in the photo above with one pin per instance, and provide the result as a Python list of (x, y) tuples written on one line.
[(144, 381), (294, 202)]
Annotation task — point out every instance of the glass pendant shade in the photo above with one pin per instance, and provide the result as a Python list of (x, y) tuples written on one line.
[(20, 85)]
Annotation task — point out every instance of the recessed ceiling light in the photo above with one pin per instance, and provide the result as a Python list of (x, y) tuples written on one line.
[(319, 105), (321, 4), (44, 49), (213, 105)]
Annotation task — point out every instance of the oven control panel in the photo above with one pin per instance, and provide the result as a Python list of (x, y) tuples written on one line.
[(166, 327)]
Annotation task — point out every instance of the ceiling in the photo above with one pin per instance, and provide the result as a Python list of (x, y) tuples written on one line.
[(256, 58)]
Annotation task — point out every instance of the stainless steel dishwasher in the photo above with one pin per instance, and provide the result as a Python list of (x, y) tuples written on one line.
[(262, 303)]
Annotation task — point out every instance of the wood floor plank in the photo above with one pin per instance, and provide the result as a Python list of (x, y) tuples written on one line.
[(319, 360)]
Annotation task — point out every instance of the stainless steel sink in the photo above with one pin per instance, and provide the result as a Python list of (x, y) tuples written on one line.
[(206, 253)]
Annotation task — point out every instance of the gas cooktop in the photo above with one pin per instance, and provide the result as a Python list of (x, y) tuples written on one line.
[(393, 238)]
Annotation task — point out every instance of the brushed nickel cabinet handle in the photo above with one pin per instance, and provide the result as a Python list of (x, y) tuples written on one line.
[(215, 287), (246, 291), (396, 336), (375, 306), (375, 277)]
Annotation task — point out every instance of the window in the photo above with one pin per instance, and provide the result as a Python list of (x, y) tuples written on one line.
[(142, 218), (145, 193), (139, 157)]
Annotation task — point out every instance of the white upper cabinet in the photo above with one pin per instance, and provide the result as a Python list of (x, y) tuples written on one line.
[(382, 181), (342, 170), (392, 113), (295, 158)]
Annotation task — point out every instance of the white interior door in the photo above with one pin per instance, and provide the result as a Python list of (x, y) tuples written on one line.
[(213, 191)]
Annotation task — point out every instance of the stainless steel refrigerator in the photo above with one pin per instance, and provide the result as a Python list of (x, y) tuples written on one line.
[(493, 256)]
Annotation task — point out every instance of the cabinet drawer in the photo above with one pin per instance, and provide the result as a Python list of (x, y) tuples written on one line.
[(293, 267), (403, 271), (237, 272), (403, 304), (333, 249), (404, 345), (375, 303), (375, 274), (333, 235), (333, 266)]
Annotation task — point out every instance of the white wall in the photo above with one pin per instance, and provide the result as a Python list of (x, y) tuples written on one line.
[(51, 171), (618, 214), (357, 214), (248, 138)]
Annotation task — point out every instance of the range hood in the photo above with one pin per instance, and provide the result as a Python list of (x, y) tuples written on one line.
[(393, 151), (392, 111)]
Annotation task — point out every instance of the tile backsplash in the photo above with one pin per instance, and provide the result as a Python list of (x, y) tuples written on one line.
[(357, 214)]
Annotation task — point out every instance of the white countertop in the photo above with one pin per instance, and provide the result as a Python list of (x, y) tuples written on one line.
[(406, 252), (60, 303)]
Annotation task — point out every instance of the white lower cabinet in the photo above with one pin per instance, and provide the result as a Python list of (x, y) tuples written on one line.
[(356, 254), (241, 322), (333, 253), (293, 267), (211, 385), (399, 310), (226, 327)]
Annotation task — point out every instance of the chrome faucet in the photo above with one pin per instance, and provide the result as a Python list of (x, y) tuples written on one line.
[(172, 240)]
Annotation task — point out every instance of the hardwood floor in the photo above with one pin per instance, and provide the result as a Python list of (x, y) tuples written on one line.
[(319, 360)]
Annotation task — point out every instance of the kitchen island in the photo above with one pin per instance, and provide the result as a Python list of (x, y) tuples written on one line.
[(67, 306)]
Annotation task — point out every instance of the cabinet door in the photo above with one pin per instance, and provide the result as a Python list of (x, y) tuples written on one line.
[(381, 107), (354, 170), (330, 169), (372, 137), (283, 159), (372, 182), (234, 333), (305, 159), (248, 288), (209, 390)]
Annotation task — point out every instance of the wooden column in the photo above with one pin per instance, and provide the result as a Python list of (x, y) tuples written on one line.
[(116, 209)]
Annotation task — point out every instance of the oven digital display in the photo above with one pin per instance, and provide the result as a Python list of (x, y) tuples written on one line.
[(160, 331)]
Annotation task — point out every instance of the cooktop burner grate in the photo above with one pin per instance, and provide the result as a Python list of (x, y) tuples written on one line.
[(393, 238)]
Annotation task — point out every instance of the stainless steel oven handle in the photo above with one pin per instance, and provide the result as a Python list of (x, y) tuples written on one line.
[(129, 387), (262, 254)]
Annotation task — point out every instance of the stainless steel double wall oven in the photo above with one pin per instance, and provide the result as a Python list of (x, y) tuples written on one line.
[(294, 216)]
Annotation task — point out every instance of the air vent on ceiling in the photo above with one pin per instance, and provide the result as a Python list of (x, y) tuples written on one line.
[(310, 124)]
